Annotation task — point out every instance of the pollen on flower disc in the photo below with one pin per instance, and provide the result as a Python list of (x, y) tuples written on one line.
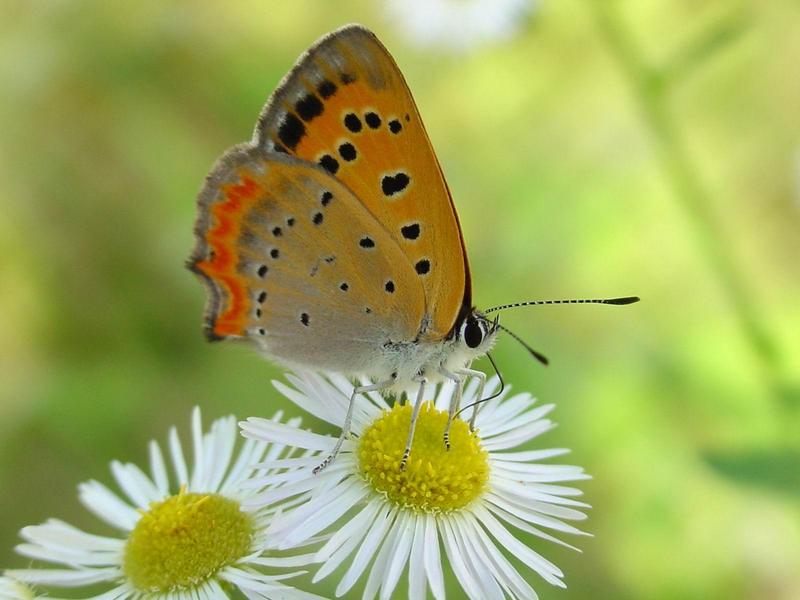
[(184, 540), (435, 479)]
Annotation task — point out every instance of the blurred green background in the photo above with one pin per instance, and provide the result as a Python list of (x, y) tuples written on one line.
[(598, 148)]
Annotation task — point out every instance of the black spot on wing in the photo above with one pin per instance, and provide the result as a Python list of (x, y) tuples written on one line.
[(346, 78), (277, 231), (423, 266), (317, 218), (366, 242), (352, 122), (326, 198), (291, 130), (262, 297), (344, 286), (330, 164), (347, 151), (394, 184), (395, 126), (262, 270), (274, 253), (326, 89), (389, 286), (304, 319), (410, 232), (309, 107), (373, 120), (290, 221)]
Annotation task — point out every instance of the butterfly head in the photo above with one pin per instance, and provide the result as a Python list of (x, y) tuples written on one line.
[(476, 334)]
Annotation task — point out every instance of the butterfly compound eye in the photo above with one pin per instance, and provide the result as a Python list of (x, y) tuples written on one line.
[(473, 334)]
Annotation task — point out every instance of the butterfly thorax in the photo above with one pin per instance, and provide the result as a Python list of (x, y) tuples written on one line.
[(471, 338)]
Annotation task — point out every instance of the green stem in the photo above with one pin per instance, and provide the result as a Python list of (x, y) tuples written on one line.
[(650, 92)]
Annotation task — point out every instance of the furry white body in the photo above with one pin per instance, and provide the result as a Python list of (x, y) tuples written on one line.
[(403, 363)]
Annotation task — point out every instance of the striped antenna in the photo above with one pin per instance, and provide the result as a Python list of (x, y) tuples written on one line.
[(617, 301), (537, 355)]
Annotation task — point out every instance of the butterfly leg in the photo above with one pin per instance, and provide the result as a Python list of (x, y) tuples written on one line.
[(375, 387), (481, 384), (417, 405), (455, 401)]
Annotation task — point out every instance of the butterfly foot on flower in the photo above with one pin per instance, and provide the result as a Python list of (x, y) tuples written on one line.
[(320, 467), (404, 461)]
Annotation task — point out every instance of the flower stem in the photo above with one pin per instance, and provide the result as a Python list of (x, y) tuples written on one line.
[(651, 90)]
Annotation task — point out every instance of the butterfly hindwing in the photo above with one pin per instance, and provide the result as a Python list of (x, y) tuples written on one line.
[(296, 263), (346, 107)]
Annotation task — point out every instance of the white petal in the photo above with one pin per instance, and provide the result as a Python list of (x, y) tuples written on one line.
[(518, 436), (504, 570), (365, 553), (221, 442), (484, 573), (331, 476), (551, 573), (433, 562), (249, 453), (398, 556), (136, 485), (519, 506), (487, 410), (381, 564), (269, 431), (416, 564), (198, 478), (501, 410), (297, 560), (69, 557), (108, 506), (454, 554), (290, 463), (123, 591), (178, 461), (327, 411), (529, 455), (158, 469), (65, 577), (541, 473), (355, 528), (337, 506), (527, 527)]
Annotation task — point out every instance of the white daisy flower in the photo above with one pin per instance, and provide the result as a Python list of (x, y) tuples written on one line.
[(458, 24), (14, 590), (383, 521), (191, 538)]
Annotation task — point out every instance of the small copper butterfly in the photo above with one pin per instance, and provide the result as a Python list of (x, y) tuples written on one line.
[(331, 242)]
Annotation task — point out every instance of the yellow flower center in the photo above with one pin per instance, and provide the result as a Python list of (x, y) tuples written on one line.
[(435, 479), (184, 540)]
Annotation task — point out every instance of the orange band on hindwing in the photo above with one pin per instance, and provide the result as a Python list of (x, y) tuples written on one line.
[(222, 261)]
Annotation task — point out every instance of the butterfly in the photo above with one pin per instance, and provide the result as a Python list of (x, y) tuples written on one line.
[(331, 241)]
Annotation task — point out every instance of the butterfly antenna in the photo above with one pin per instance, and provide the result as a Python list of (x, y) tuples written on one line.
[(537, 355), (493, 396), (617, 301)]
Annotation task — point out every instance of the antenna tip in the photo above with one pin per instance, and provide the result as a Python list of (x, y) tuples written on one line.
[(625, 300)]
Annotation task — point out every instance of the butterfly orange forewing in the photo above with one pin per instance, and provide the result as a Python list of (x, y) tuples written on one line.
[(346, 107)]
